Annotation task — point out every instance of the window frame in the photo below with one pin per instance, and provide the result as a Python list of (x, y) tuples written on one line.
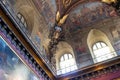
[(24, 22), (69, 68), (95, 58)]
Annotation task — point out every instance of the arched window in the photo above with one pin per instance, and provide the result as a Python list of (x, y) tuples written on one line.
[(100, 46), (22, 19), (67, 63), (101, 52)]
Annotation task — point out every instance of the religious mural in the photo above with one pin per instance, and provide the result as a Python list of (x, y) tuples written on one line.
[(87, 14), (11, 67), (48, 9)]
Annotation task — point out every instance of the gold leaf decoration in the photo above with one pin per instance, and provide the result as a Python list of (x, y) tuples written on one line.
[(58, 16), (109, 1), (66, 3), (63, 20)]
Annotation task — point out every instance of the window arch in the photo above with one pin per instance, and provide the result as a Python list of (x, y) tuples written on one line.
[(22, 19), (67, 63), (101, 52), (100, 46)]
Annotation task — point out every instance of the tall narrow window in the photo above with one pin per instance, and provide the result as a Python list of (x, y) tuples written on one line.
[(22, 19), (67, 63), (101, 52)]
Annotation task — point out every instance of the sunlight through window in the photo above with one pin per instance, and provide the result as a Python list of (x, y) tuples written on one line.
[(102, 52), (67, 63)]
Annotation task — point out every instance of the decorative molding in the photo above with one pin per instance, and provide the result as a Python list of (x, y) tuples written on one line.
[(10, 16), (97, 73), (21, 51)]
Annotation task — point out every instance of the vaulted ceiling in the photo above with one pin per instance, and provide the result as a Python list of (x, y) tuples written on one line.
[(82, 14), (79, 16)]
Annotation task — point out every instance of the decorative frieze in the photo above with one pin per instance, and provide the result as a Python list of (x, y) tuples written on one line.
[(97, 73)]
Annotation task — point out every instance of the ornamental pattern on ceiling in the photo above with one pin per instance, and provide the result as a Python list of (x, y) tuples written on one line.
[(87, 14), (48, 9), (66, 3)]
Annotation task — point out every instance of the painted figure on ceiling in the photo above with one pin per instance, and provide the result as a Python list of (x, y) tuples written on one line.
[(89, 13)]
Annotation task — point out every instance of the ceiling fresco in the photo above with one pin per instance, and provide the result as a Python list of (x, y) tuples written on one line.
[(48, 9), (87, 14), (64, 5), (82, 13)]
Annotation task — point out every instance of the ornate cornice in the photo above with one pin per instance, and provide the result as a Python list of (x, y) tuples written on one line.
[(97, 73), (21, 51), (12, 32), (94, 71)]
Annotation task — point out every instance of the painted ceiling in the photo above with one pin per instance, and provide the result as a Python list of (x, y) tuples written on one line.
[(87, 14), (47, 8), (81, 15), (81, 12)]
